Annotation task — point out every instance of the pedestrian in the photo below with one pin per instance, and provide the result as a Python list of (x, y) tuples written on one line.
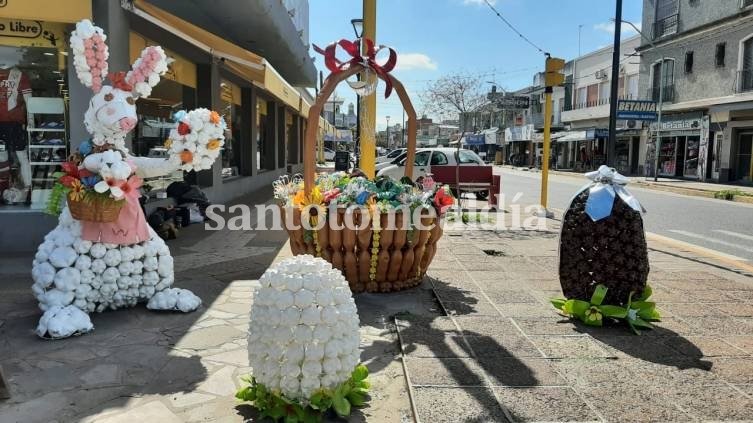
[(584, 158)]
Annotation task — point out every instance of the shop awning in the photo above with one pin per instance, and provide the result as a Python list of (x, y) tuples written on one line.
[(240, 61), (68, 11), (570, 136)]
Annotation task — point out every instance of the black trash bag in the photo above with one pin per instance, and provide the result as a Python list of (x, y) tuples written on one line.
[(611, 251), (162, 221)]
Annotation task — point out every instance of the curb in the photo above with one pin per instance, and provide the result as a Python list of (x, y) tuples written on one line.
[(693, 192)]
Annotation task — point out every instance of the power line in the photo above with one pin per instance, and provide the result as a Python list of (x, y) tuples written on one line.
[(499, 15)]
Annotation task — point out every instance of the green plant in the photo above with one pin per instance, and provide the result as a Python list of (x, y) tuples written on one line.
[(271, 403), (638, 314), (730, 194)]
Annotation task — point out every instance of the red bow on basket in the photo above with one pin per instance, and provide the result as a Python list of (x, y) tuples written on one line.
[(118, 80), (353, 49)]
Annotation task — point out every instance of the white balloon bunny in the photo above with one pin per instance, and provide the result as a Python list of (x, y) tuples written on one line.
[(82, 266)]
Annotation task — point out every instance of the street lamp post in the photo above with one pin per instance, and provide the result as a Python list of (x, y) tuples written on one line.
[(657, 142), (389, 143), (358, 30)]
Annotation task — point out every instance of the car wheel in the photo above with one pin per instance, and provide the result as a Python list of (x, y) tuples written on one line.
[(482, 195)]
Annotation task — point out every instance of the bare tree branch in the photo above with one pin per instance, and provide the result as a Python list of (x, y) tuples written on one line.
[(452, 95)]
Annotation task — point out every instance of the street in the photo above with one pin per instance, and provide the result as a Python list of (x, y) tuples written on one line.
[(723, 226)]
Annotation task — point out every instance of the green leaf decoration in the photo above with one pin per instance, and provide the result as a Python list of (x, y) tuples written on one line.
[(642, 323), (357, 398), (647, 291), (558, 303), (599, 293), (613, 311), (341, 406), (360, 373), (577, 307)]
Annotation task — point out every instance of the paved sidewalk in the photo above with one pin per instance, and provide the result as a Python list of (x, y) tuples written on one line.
[(499, 352), (476, 342)]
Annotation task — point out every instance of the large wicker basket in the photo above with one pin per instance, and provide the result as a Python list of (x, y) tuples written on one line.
[(99, 210), (402, 255)]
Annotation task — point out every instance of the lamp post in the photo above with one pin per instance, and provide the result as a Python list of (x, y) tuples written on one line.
[(389, 144), (358, 30), (657, 144)]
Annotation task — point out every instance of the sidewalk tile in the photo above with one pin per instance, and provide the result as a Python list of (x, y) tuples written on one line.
[(503, 297), (457, 404), (514, 371), (745, 342), (631, 345), (523, 310), (621, 403), (486, 325), (552, 325), (733, 370), (545, 404), (707, 346), (594, 372), (446, 346), (713, 403), (576, 346), (473, 307), (502, 346), (444, 371)]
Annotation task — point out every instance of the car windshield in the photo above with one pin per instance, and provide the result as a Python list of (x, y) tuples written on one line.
[(394, 153)]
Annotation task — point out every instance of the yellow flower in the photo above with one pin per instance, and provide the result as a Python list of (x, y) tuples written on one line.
[(213, 144), (298, 199), (168, 143), (77, 191), (311, 206), (593, 314)]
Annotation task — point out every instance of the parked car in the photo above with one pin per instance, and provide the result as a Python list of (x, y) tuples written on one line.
[(329, 155), (426, 157), (381, 165), (390, 156)]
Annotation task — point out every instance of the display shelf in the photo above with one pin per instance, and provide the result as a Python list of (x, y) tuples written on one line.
[(43, 146), (59, 130)]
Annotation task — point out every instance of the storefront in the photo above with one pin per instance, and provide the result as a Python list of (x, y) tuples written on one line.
[(680, 145), (519, 145), (34, 99), (42, 105), (582, 150)]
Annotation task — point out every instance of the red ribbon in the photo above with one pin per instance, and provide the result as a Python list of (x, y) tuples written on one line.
[(369, 59), (118, 80)]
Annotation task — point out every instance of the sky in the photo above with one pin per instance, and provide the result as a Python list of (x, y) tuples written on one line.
[(439, 37)]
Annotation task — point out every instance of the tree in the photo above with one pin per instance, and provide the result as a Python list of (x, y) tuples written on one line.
[(453, 95)]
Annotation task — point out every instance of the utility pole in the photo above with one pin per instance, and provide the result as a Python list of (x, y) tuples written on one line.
[(367, 131), (553, 77), (612, 142)]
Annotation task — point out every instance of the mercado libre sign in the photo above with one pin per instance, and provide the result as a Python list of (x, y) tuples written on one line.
[(20, 32), (636, 109)]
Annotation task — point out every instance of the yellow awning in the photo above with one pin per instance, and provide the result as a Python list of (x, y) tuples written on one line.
[(241, 61), (304, 109), (67, 11), (278, 87)]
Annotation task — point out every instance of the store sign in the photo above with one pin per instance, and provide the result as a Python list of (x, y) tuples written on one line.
[(478, 139), (636, 109), (685, 121), (45, 10), (31, 33), (519, 133)]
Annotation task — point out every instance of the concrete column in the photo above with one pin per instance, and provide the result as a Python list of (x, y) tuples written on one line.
[(114, 20), (281, 150), (248, 132), (208, 96)]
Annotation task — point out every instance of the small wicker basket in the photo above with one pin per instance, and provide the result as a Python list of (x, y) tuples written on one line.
[(98, 210)]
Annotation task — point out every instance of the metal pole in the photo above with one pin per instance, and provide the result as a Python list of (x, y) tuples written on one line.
[(547, 141), (367, 139), (611, 143), (658, 120)]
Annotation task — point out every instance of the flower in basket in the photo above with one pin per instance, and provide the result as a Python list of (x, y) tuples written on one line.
[(443, 199), (198, 139)]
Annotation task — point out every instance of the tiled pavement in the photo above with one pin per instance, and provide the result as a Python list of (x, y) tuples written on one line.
[(478, 342), (499, 352)]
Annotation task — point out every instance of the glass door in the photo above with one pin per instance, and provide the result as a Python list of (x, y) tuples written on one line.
[(692, 146), (667, 150)]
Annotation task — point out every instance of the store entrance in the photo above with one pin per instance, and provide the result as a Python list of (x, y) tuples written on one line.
[(744, 166), (680, 164)]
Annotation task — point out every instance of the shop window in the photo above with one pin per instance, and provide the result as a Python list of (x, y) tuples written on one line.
[(230, 95), (604, 91), (632, 87), (689, 62), (592, 95), (663, 74), (721, 50), (33, 120), (261, 133)]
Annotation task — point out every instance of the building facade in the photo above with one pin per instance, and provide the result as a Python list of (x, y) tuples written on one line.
[(255, 79), (586, 111), (700, 55)]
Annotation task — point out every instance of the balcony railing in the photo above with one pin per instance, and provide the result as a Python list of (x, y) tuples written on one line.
[(668, 94), (596, 103), (744, 81), (666, 26)]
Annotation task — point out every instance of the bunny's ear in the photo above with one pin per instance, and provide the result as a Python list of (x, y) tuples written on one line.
[(146, 70), (90, 54)]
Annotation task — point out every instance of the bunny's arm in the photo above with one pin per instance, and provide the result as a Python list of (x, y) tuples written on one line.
[(151, 167)]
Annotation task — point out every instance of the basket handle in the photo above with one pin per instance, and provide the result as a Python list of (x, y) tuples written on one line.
[(312, 127)]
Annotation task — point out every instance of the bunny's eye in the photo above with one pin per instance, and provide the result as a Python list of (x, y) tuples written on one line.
[(130, 100), (109, 97)]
